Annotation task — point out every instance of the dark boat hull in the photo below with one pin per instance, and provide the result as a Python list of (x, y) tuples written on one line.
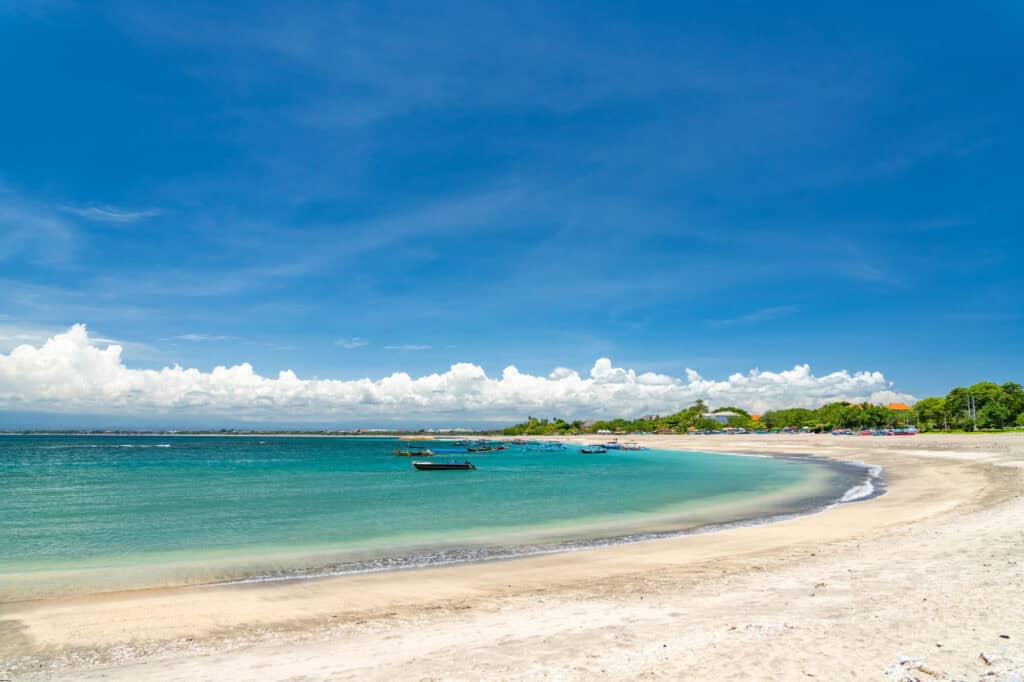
[(443, 466)]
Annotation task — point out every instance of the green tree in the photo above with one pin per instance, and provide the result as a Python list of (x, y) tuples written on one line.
[(956, 408), (737, 410), (931, 413), (995, 415), (1013, 395)]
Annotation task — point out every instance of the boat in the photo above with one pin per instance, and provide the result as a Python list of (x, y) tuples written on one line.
[(593, 449), (481, 448), (443, 466), (519, 441), (614, 445), (414, 451), (632, 446)]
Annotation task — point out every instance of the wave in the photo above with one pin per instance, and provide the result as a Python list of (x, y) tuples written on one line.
[(869, 488)]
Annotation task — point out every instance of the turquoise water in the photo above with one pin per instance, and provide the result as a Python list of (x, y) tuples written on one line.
[(120, 510)]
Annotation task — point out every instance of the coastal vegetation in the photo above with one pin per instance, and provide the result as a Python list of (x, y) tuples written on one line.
[(982, 406)]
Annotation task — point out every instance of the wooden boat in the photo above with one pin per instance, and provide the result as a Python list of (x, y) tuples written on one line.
[(594, 450), (632, 446), (481, 448), (415, 451), (443, 466)]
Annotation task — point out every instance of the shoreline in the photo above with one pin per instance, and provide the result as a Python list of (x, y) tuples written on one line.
[(935, 485), (874, 480)]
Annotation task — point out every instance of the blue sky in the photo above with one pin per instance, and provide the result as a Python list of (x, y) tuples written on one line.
[(350, 190)]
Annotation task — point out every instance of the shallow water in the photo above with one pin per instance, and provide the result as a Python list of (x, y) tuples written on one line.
[(84, 513)]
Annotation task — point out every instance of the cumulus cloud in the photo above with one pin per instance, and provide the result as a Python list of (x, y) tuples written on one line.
[(69, 373)]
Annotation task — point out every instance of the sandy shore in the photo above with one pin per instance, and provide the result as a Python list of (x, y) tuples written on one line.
[(926, 582)]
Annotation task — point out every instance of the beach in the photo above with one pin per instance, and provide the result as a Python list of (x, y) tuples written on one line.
[(923, 582)]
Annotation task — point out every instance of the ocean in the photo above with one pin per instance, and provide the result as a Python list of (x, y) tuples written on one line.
[(82, 514)]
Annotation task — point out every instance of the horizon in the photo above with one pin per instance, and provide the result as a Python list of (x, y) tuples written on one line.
[(465, 215)]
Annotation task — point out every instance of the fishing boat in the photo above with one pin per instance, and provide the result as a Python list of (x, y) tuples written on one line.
[(414, 451), (632, 446), (594, 449), (481, 448), (614, 445), (443, 466)]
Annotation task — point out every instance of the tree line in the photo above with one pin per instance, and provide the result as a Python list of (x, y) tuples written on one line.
[(984, 405)]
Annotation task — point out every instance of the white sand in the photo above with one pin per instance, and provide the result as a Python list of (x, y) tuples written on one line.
[(930, 574)]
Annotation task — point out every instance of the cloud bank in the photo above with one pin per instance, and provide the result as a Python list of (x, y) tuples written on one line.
[(70, 373)]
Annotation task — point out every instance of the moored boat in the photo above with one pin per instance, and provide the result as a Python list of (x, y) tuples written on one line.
[(593, 449), (443, 466), (414, 451)]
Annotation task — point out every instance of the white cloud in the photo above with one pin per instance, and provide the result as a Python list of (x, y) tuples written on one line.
[(408, 346), (111, 214), (14, 335), (68, 373), (351, 342)]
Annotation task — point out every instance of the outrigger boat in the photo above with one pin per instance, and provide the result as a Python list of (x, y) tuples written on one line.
[(443, 466), (414, 451), (594, 450)]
